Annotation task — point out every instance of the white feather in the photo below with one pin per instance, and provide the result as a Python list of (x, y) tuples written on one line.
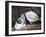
[(32, 16)]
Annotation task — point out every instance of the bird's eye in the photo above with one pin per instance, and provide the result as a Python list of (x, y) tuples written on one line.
[(19, 21)]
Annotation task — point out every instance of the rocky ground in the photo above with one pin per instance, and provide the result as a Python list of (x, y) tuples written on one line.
[(30, 26)]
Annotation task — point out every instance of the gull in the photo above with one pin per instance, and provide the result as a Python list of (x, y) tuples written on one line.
[(30, 16)]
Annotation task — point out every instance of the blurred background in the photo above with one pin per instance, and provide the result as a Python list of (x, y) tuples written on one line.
[(18, 10)]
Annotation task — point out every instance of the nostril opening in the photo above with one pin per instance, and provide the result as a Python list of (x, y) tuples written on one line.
[(19, 21)]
